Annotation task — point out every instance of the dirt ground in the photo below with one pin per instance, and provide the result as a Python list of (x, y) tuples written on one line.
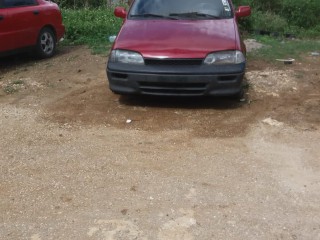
[(78, 162)]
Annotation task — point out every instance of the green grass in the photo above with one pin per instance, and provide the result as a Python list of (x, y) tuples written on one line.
[(13, 86), (280, 49), (91, 27), (18, 82), (9, 89)]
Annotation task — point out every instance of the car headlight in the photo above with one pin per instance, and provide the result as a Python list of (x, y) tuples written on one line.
[(123, 56), (226, 57)]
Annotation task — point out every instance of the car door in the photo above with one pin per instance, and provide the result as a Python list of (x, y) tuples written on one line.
[(19, 24), (4, 28)]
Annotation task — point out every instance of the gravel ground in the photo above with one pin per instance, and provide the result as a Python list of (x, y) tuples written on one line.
[(73, 166)]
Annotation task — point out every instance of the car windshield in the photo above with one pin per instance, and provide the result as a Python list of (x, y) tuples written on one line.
[(181, 9)]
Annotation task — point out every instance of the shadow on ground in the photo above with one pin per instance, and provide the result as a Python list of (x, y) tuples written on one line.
[(181, 102), (202, 116), (26, 59)]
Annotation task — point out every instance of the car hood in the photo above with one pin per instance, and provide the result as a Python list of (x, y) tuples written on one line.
[(177, 38)]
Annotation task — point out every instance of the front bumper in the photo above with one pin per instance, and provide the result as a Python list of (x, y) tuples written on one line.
[(176, 80)]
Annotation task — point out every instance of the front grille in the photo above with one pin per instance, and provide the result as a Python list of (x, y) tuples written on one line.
[(172, 88), (175, 62)]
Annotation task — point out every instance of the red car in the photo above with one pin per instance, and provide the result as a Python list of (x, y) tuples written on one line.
[(26, 24), (178, 47)]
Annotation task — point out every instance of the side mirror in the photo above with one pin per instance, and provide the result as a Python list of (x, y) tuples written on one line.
[(120, 12), (243, 11)]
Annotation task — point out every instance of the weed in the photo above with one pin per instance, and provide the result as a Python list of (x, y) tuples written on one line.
[(299, 76), (18, 82), (246, 85), (50, 85), (9, 89), (13, 87)]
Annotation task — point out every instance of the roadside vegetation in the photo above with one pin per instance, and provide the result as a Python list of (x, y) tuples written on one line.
[(282, 48), (272, 22), (90, 26), (299, 18)]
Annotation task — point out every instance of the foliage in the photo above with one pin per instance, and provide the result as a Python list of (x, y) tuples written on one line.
[(312, 32), (302, 13), (9, 89), (277, 48), (297, 16), (268, 21), (90, 26)]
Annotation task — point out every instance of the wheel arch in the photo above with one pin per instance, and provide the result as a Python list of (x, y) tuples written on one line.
[(51, 27)]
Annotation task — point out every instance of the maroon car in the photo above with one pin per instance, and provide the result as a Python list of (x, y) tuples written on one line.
[(178, 47), (26, 24)]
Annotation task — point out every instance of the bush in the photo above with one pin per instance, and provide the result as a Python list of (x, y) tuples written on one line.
[(268, 21), (90, 26), (302, 13), (90, 22), (295, 16)]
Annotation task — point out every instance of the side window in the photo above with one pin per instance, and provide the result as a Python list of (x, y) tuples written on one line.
[(17, 3)]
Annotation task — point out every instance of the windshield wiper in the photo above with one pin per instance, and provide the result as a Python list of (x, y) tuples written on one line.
[(151, 15), (194, 15)]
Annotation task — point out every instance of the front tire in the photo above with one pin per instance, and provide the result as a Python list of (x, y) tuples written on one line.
[(46, 44)]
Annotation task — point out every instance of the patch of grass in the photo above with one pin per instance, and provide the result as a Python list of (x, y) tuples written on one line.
[(18, 82), (13, 87), (50, 85), (281, 49), (71, 58), (246, 85), (9, 89), (91, 27)]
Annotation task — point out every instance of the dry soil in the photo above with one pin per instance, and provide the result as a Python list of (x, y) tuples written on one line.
[(78, 162)]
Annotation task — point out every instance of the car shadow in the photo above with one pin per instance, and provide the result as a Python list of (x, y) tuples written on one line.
[(16, 60), (182, 102), (25, 59)]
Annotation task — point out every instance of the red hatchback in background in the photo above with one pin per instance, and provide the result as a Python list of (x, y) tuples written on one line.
[(178, 47), (25, 24)]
